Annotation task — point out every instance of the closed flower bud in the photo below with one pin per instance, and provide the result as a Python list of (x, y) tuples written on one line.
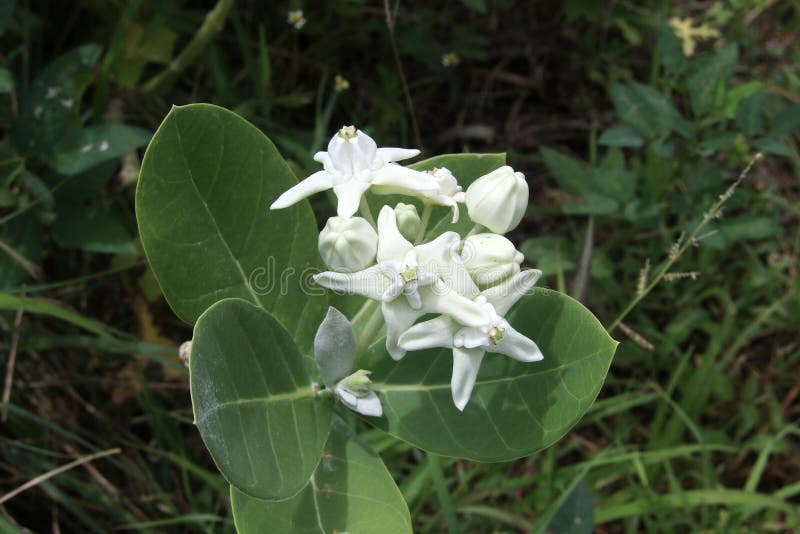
[(498, 199), (490, 258), (348, 245), (408, 221)]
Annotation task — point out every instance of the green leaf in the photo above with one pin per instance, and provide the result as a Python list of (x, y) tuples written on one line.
[(93, 227), (253, 401), (478, 6), (750, 227), (568, 173), (6, 81), (621, 136), (670, 50), (202, 204), (95, 144), (787, 121), (647, 111), (350, 491), (612, 178), (516, 408), (23, 236), (772, 146), (707, 74), (593, 204), (576, 513)]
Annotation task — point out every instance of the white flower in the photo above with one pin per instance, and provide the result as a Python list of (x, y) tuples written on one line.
[(470, 343), (448, 192), (498, 200), (295, 18), (411, 281), (348, 245), (352, 164), (490, 258), (450, 59), (334, 351)]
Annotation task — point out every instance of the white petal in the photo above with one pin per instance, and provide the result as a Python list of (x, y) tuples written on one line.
[(399, 317), (392, 246), (470, 338), (349, 196), (393, 291), (370, 282), (412, 295), (466, 363), (441, 298), (363, 149), (440, 256), (517, 346), (319, 181), (324, 158), (390, 154), (397, 179), (506, 294), (369, 405), (436, 332), (350, 400)]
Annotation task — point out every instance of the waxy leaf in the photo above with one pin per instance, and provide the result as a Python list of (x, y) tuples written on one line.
[(351, 491), (253, 401), (516, 408), (202, 204)]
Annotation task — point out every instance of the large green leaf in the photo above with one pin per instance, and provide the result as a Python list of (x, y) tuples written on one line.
[(202, 204), (516, 408), (707, 75), (351, 491), (647, 111), (253, 401)]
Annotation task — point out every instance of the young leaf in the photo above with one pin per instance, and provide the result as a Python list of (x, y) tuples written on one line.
[(705, 76), (516, 408), (254, 402), (334, 347), (570, 175), (202, 205), (350, 491)]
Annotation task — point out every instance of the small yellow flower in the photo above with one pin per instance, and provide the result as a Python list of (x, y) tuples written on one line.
[(689, 35), (450, 59), (296, 18), (340, 83)]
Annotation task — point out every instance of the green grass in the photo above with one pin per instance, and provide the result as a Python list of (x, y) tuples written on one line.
[(698, 433)]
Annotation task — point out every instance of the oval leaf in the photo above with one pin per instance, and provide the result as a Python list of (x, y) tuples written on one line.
[(351, 491), (253, 401), (202, 205), (516, 408)]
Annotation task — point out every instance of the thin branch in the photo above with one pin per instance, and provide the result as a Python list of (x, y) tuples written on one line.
[(12, 358), (412, 114)]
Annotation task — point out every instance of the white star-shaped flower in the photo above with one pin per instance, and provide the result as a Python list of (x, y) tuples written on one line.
[(354, 163), (470, 343), (411, 281)]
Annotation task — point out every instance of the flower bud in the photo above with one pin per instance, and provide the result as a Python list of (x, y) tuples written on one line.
[(348, 245), (408, 221), (498, 200), (490, 258)]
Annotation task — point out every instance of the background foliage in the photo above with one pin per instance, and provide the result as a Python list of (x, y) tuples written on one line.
[(626, 142)]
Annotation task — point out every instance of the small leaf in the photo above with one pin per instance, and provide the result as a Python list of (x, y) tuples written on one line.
[(570, 175), (478, 6), (95, 144), (576, 513), (772, 146), (516, 408), (6, 81), (612, 178), (334, 347), (350, 491), (621, 136), (592, 204), (706, 74), (787, 121), (23, 235), (670, 50), (93, 227), (647, 111), (254, 402)]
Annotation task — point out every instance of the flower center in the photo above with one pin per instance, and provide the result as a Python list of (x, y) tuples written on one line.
[(348, 132), (409, 274), (496, 334)]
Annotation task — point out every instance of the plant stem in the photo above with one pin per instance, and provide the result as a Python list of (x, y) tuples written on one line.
[(363, 207), (682, 244), (211, 25), (423, 227)]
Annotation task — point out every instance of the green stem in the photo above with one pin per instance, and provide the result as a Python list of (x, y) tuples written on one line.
[(211, 25), (363, 207), (367, 323), (423, 227)]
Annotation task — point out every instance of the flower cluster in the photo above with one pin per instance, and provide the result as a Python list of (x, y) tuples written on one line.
[(470, 284)]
